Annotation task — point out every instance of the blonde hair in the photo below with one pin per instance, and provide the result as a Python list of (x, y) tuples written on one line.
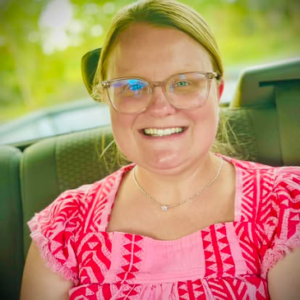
[(158, 13)]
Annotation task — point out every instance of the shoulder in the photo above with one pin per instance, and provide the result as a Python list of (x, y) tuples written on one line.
[(278, 176), (286, 200), (250, 166), (282, 227), (272, 194), (288, 179), (281, 182), (71, 206), (58, 228), (266, 191)]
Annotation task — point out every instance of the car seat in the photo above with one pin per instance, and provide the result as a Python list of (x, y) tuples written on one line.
[(263, 122), (11, 233)]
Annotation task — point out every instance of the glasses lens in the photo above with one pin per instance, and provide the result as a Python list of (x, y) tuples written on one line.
[(188, 90), (130, 95)]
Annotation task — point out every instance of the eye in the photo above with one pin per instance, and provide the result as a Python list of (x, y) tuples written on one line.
[(182, 83)]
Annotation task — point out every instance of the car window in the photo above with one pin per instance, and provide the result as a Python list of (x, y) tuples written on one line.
[(42, 42)]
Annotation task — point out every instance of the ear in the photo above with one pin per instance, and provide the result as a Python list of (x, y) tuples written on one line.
[(220, 89)]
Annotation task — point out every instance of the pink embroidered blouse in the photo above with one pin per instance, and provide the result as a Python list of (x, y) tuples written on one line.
[(223, 261)]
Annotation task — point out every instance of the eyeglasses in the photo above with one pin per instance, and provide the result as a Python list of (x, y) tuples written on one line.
[(184, 91)]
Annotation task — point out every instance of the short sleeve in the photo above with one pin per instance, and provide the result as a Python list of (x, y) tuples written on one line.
[(284, 233), (54, 232)]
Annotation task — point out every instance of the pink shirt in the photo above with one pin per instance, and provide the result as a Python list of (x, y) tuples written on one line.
[(222, 261)]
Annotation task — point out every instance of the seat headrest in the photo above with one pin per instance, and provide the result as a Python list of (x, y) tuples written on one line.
[(256, 84), (89, 63)]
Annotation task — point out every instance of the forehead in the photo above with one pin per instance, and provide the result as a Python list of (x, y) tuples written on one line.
[(156, 53)]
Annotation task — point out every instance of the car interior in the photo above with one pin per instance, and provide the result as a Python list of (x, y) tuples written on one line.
[(263, 119)]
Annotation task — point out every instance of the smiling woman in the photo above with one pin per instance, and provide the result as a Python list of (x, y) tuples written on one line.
[(140, 49), (181, 222)]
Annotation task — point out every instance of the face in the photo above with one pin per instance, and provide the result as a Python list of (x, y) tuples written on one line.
[(155, 54)]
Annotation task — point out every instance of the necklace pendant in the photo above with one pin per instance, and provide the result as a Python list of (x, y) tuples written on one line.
[(164, 207)]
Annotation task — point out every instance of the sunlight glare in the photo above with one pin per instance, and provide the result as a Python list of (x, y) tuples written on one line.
[(57, 14), (97, 30), (91, 8), (109, 8), (54, 22)]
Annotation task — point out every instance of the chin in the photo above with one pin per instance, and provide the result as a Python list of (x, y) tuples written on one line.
[(173, 163), (164, 165)]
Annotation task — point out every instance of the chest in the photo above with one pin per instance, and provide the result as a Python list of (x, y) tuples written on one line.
[(134, 213), (146, 218)]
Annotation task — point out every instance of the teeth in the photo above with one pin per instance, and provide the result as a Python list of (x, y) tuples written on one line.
[(162, 132)]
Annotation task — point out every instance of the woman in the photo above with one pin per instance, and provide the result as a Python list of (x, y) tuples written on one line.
[(181, 222)]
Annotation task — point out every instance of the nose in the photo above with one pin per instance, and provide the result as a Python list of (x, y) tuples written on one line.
[(160, 105)]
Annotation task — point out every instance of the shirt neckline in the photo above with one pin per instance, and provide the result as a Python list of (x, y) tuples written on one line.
[(237, 206)]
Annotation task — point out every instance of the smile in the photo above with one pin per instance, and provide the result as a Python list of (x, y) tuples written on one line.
[(162, 132)]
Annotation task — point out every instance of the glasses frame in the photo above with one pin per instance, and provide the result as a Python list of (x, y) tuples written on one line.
[(152, 84)]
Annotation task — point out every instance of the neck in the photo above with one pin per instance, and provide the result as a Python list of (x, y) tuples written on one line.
[(173, 188)]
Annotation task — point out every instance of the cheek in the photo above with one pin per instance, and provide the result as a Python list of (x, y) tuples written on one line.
[(118, 123), (206, 121), (209, 113), (122, 129), (213, 102), (214, 119)]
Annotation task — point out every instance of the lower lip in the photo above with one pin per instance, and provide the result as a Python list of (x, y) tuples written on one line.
[(165, 137)]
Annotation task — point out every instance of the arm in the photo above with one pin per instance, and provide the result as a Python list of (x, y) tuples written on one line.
[(39, 282), (284, 278)]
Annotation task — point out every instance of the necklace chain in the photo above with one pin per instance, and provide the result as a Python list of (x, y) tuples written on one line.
[(165, 207)]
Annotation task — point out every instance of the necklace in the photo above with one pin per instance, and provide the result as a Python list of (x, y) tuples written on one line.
[(165, 207)]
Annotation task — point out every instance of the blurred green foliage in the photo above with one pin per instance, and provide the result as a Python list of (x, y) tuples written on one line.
[(42, 42)]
